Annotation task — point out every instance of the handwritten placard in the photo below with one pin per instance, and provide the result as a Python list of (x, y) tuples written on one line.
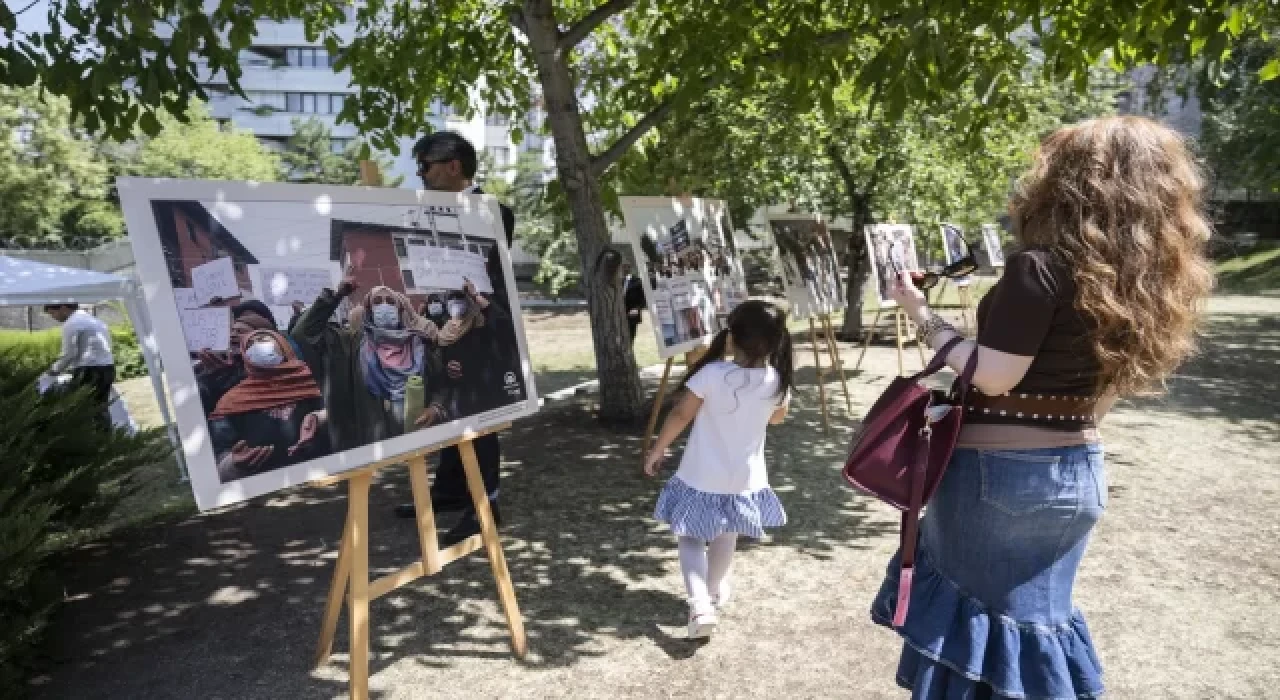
[(445, 268), (207, 329), (185, 297), (281, 286), (214, 280)]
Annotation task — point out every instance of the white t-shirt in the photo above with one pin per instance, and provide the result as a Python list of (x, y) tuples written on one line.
[(725, 451)]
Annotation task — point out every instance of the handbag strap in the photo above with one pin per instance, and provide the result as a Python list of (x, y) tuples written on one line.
[(940, 359)]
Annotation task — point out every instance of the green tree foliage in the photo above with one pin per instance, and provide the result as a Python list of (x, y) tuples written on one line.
[(610, 70), (59, 483), (194, 145), (51, 182), (308, 157), (1240, 136)]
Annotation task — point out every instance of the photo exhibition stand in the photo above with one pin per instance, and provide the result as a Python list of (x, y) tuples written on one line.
[(902, 325), (690, 359), (351, 573), (833, 353)]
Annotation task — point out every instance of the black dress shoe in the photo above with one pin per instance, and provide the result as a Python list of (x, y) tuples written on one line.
[(468, 525), (443, 505)]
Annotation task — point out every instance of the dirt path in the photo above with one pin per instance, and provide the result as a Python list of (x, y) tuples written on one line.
[(1180, 585)]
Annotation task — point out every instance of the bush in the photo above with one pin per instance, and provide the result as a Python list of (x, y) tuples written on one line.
[(58, 484), (42, 346)]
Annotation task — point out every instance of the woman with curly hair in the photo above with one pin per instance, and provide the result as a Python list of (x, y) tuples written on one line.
[(1100, 300)]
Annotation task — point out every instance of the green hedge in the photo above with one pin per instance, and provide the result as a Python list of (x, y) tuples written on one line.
[(60, 480), (41, 347)]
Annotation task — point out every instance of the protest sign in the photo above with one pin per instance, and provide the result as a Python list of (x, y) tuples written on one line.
[(214, 280), (281, 286), (207, 329), (447, 268), (185, 298)]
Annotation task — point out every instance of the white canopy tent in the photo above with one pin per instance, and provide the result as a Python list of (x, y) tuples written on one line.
[(30, 283)]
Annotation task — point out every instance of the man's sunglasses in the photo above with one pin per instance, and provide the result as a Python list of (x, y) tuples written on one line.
[(425, 165)]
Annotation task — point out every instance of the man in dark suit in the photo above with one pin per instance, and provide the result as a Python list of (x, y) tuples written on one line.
[(447, 163), (632, 299)]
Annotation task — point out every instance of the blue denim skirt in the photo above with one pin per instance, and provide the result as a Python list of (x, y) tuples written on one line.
[(991, 612)]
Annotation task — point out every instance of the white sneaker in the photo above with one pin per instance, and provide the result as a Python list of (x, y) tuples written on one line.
[(702, 624), (721, 599)]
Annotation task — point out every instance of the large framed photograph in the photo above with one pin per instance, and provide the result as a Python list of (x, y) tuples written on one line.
[(308, 330), (807, 259), (690, 269), (992, 246), (891, 249)]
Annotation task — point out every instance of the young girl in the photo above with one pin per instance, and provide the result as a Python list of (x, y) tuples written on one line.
[(722, 488)]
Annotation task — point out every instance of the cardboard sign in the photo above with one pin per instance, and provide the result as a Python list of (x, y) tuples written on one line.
[(446, 268), (681, 293), (185, 298), (281, 286), (214, 280), (207, 329)]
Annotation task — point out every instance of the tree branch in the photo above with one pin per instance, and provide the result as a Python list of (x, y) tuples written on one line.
[(602, 161), (587, 24)]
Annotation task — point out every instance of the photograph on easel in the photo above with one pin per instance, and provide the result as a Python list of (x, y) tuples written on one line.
[(689, 268), (955, 249), (309, 330), (992, 247), (810, 269), (891, 249)]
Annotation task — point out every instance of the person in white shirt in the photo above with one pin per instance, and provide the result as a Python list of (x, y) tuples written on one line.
[(86, 353), (722, 487)]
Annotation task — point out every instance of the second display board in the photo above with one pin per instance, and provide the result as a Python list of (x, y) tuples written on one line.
[(689, 267)]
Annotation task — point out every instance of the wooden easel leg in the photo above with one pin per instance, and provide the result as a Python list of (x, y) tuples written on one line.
[(898, 324), (657, 407), (426, 515), (489, 533), (834, 349), (857, 367), (822, 383), (358, 584), (337, 594)]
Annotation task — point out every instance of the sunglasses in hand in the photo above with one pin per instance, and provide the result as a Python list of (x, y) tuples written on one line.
[(925, 281)]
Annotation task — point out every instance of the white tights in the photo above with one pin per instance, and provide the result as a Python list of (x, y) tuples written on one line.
[(706, 568)]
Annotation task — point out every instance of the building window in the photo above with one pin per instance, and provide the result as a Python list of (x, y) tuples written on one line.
[(401, 251), (314, 103), (307, 57), (501, 155), (408, 279)]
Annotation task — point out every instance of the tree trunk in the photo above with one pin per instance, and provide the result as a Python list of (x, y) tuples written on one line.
[(621, 394), (857, 262)]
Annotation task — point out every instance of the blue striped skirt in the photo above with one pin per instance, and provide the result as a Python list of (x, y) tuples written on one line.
[(694, 513)]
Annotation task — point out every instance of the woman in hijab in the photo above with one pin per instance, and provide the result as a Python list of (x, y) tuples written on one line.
[(480, 374), (272, 417), (367, 366), (217, 373)]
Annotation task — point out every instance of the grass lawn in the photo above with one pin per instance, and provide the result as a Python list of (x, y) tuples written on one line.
[(1255, 272)]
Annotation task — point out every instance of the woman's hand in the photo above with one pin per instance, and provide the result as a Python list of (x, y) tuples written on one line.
[(349, 283), (243, 455), (429, 417), (653, 462), (470, 288), (912, 300), (307, 432)]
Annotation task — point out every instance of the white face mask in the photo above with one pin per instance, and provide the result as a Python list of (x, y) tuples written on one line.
[(457, 308), (386, 316), (435, 308), (264, 354)]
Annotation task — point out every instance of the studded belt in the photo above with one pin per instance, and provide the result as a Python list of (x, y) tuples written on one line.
[(1036, 408)]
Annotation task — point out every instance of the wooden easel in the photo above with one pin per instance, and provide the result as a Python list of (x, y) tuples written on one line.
[(902, 324), (690, 359), (351, 573), (965, 292), (833, 352)]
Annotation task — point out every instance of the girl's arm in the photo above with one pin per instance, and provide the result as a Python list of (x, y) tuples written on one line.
[(677, 421), (780, 413)]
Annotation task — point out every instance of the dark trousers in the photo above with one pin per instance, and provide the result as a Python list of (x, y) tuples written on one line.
[(632, 323), (450, 486), (99, 379)]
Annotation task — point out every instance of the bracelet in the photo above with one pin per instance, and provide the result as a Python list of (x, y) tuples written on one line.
[(934, 325)]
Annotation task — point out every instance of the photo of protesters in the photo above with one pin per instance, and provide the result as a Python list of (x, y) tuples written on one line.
[(693, 276), (273, 416), (892, 250), (809, 266)]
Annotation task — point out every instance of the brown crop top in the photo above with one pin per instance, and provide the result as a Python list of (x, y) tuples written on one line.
[(1031, 312)]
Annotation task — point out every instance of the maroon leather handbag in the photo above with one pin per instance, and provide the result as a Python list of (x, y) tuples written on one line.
[(902, 450)]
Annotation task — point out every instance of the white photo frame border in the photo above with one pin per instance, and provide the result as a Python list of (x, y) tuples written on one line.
[(137, 195)]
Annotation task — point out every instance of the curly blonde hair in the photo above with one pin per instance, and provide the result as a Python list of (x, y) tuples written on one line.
[(1118, 201)]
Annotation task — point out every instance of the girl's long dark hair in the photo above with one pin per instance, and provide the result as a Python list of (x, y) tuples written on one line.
[(759, 333)]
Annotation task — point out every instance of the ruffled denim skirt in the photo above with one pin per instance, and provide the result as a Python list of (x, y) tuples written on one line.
[(991, 611)]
